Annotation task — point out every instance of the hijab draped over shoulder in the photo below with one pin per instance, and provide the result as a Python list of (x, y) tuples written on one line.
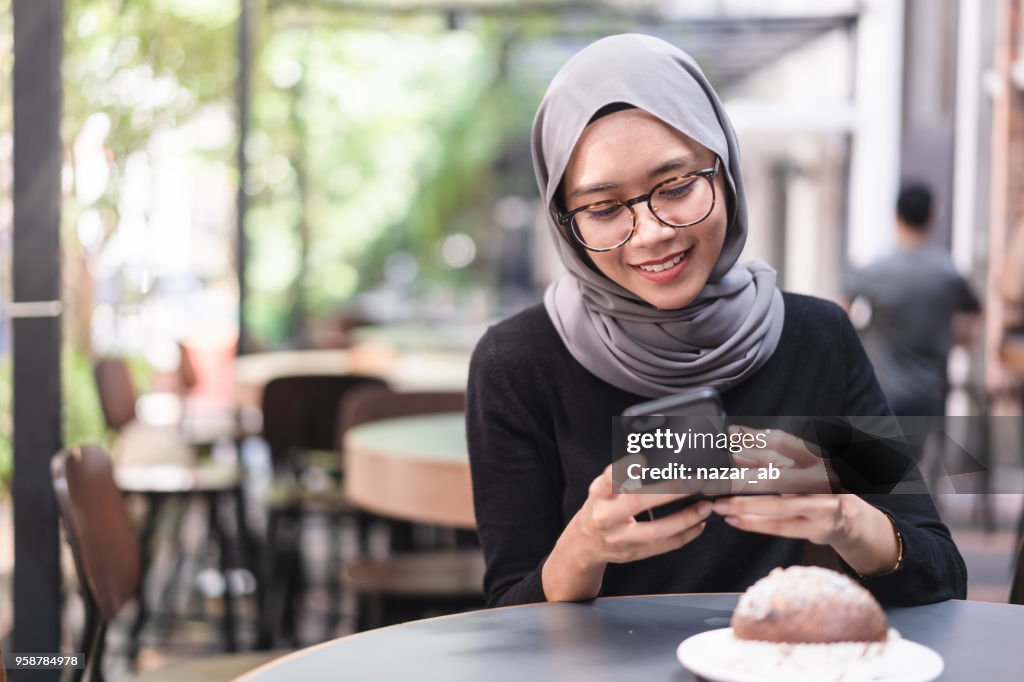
[(733, 326)]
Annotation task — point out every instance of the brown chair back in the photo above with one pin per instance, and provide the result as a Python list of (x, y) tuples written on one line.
[(116, 391), (301, 412), (1017, 587), (375, 403), (186, 369), (97, 526)]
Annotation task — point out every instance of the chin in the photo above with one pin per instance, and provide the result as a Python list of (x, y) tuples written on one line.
[(669, 298)]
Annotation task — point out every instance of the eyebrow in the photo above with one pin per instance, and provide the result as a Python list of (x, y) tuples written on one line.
[(685, 161)]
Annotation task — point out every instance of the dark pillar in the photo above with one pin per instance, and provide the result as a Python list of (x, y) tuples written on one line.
[(36, 324)]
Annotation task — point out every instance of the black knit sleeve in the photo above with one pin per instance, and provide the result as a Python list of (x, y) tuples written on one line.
[(932, 569), (514, 489)]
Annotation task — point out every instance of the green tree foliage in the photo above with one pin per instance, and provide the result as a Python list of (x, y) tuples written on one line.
[(370, 133), (366, 141)]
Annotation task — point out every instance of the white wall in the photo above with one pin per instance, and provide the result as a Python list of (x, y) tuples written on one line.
[(875, 159)]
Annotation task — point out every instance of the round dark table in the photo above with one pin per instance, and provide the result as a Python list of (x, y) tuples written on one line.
[(625, 638)]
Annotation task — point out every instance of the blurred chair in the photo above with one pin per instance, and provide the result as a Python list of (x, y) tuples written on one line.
[(116, 392), (157, 481), (300, 426), (188, 376), (1017, 586), (376, 403), (408, 584), (119, 402), (300, 416), (108, 559)]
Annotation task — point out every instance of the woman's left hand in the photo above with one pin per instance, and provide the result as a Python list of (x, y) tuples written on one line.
[(822, 519), (801, 467), (859, 532)]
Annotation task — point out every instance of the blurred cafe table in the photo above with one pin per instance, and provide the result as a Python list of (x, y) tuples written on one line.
[(624, 638), (412, 468), (412, 370), (420, 336)]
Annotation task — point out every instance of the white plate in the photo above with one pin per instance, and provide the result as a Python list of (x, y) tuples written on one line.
[(708, 655)]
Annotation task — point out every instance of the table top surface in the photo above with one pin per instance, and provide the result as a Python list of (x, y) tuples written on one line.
[(628, 638), (434, 437), (414, 336), (261, 366), (410, 370)]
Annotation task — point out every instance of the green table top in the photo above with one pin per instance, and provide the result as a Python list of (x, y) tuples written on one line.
[(430, 437)]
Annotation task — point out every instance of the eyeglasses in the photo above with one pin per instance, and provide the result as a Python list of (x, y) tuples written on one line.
[(681, 201)]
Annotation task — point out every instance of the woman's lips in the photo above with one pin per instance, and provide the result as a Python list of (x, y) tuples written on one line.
[(666, 275)]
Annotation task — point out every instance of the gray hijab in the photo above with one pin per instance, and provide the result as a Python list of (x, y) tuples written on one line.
[(733, 326)]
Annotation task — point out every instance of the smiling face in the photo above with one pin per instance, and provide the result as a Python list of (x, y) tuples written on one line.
[(623, 155)]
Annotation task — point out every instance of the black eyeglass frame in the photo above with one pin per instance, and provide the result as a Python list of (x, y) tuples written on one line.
[(706, 173)]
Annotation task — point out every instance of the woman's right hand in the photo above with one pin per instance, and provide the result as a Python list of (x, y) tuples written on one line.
[(605, 531)]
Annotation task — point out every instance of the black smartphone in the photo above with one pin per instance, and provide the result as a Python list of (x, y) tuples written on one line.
[(696, 402), (703, 408)]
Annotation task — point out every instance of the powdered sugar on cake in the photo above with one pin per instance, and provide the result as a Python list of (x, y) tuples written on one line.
[(798, 588)]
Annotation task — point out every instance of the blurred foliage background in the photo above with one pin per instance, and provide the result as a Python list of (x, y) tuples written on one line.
[(374, 138)]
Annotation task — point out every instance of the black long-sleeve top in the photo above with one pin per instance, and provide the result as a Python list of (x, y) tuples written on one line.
[(539, 430)]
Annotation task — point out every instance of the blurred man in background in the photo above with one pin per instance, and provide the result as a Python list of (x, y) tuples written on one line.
[(910, 300)]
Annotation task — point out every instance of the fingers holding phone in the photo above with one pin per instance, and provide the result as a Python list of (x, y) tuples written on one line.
[(607, 530), (801, 467)]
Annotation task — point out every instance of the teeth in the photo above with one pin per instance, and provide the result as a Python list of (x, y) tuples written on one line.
[(662, 266)]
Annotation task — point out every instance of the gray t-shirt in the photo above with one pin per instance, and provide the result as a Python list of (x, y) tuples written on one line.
[(913, 294)]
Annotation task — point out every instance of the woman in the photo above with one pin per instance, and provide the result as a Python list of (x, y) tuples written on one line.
[(655, 302)]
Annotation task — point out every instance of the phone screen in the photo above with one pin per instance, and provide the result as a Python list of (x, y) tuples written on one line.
[(703, 412)]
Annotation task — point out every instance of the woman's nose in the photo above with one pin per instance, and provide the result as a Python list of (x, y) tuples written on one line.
[(649, 230)]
